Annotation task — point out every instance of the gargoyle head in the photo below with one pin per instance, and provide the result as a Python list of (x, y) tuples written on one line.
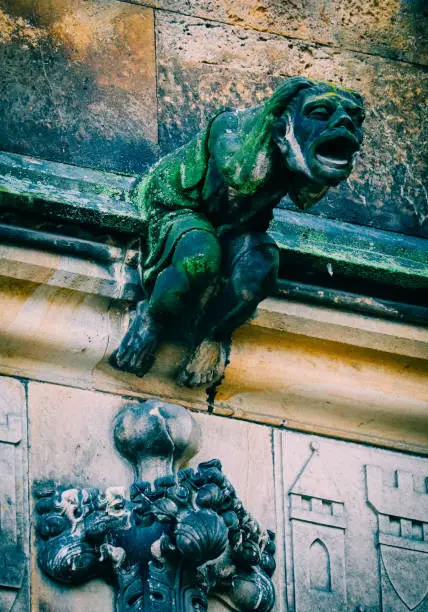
[(319, 134)]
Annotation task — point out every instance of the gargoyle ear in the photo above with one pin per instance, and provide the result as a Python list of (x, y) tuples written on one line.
[(279, 132)]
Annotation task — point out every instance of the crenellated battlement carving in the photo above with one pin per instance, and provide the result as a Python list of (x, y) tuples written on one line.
[(400, 500), (402, 512)]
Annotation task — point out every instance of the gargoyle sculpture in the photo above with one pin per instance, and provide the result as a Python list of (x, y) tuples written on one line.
[(172, 541), (207, 257)]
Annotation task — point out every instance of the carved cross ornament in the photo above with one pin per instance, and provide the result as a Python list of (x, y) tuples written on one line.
[(173, 540)]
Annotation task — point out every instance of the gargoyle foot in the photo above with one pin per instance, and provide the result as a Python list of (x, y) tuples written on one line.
[(206, 365), (136, 353)]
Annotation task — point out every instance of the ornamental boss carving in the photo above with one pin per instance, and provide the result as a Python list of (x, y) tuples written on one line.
[(207, 256), (171, 542)]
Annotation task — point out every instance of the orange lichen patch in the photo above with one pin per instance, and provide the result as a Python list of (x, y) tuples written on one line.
[(13, 295), (7, 27), (116, 41), (14, 28), (370, 25), (75, 34), (388, 24), (95, 66), (132, 46), (367, 16), (84, 28), (44, 12), (271, 17)]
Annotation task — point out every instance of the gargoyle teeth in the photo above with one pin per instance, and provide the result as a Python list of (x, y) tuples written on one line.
[(336, 152), (333, 161)]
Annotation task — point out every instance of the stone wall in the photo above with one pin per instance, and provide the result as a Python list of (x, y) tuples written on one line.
[(320, 422), (113, 85), (351, 521)]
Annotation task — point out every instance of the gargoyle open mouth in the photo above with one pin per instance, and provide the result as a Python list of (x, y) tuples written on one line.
[(336, 151)]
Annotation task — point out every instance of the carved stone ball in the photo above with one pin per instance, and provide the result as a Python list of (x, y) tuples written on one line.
[(201, 536), (252, 591), (156, 433)]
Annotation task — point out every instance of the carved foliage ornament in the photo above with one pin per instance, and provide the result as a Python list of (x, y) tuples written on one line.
[(169, 543)]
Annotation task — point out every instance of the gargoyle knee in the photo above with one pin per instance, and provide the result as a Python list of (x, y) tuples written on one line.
[(198, 254), (200, 269), (255, 277)]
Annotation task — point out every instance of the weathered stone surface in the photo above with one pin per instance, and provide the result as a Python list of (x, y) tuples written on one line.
[(78, 82), (320, 385), (14, 525), (34, 322), (204, 66), (85, 197), (390, 28), (52, 190), (71, 442)]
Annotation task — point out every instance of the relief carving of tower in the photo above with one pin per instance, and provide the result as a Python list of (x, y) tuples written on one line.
[(318, 520)]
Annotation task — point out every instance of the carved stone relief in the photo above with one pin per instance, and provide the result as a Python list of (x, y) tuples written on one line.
[(335, 549), (402, 513), (317, 515), (173, 540), (13, 510), (354, 525)]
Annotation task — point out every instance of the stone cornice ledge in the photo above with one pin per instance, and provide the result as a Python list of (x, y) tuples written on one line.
[(294, 365), (86, 196)]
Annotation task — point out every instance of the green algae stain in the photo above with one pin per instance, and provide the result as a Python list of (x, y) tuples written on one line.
[(108, 192)]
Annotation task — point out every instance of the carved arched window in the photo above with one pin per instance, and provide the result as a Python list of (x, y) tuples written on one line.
[(319, 567)]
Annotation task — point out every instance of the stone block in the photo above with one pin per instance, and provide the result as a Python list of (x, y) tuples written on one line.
[(245, 451), (321, 385), (14, 525), (205, 66), (389, 28), (78, 82)]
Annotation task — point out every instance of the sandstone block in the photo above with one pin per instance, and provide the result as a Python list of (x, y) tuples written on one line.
[(389, 28), (78, 82)]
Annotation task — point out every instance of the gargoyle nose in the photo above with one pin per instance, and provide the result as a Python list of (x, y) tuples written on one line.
[(341, 118)]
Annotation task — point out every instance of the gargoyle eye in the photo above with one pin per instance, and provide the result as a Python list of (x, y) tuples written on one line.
[(319, 112), (357, 115)]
